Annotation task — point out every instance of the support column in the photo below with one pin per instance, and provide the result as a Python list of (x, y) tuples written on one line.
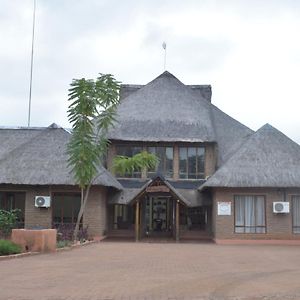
[(137, 221), (177, 220)]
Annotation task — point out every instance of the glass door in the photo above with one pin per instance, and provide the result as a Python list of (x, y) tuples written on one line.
[(158, 215)]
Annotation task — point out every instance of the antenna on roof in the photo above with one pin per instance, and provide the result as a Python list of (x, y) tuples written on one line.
[(164, 45), (31, 63)]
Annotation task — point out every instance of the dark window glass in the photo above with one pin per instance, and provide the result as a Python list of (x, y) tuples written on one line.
[(249, 214), (165, 165), (129, 151), (191, 162), (296, 213), (65, 208), (14, 200), (123, 217)]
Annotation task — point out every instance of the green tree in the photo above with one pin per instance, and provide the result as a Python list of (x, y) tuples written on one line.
[(91, 112), (139, 162), (8, 221)]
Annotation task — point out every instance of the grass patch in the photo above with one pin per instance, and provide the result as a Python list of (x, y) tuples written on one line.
[(7, 247), (63, 244)]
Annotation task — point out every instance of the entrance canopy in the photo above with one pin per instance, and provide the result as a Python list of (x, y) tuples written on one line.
[(135, 190)]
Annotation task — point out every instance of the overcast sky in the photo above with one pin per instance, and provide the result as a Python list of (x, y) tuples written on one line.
[(249, 51)]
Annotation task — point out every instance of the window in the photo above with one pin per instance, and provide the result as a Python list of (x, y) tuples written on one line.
[(165, 166), (129, 151), (191, 162), (65, 208), (296, 213), (13, 200), (123, 216), (250, 214)]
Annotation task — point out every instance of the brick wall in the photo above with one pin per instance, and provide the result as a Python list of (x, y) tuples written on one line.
[(95, 216), (278, 226), (36, 217), (210, 159)]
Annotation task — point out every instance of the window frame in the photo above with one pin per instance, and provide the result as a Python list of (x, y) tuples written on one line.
[(292, 204), (198, 175), (64, 194), (164, 172), (255, 217), (129, 176)]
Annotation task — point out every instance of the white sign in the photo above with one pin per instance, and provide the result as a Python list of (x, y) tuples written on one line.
[(224, 208)]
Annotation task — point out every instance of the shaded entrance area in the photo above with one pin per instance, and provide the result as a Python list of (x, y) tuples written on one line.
[(158, 211)]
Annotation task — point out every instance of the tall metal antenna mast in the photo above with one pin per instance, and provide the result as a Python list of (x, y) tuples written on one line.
[(164, 45), (31, 64)]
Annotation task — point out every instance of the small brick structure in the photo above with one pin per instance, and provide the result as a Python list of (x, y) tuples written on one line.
[(43, 240)]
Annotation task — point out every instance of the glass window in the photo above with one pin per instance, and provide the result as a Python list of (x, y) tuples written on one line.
[(129, 151), (165, 165), (296, 213), (123, 217), (191, 162), (65, 208), (13, 200), (249, 214)]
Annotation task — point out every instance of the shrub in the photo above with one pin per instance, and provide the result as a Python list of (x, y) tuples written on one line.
[(65, 232), (63, 244), (8, 221), (7, 247)]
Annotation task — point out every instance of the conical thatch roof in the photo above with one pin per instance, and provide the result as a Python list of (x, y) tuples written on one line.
[(164, 110), (267, 159), (38, 157)]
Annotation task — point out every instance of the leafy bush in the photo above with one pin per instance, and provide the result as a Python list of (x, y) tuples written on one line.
[(65, 232), (8, 221), (7, 247), (63, 244)]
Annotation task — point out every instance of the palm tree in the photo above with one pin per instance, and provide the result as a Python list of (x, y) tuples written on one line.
[(91, 113)]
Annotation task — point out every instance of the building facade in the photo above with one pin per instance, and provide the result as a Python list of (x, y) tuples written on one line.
[(216, 178)]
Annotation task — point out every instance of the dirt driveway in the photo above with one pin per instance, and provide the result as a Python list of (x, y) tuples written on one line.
[(114, 270)]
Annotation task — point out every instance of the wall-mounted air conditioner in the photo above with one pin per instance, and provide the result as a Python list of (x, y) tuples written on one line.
[(281, 207), (42, 201)]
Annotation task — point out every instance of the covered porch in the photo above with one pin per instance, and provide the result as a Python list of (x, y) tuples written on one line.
[(159, 211)]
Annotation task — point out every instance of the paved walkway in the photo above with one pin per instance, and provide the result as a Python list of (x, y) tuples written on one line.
[(155, 271)]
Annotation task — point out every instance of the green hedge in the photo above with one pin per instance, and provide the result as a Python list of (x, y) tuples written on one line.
[(7, 247)]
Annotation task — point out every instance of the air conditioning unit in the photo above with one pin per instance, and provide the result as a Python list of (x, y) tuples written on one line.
[(42, 201), (281, 207)]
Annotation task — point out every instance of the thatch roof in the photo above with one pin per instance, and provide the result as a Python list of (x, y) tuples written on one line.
[(267, 159), (164, 110), (38, 157), (132, 190), (230, 134)]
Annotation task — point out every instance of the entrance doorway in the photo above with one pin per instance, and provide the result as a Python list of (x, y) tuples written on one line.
[(158, 216)]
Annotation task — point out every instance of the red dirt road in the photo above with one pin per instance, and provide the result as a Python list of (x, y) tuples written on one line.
[(114, 270)]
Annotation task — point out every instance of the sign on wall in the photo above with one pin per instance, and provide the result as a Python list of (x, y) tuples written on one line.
[(224, 208)]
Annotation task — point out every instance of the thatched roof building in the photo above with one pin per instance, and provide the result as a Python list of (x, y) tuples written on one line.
[(267, 159), (168, 110), (37, 156)]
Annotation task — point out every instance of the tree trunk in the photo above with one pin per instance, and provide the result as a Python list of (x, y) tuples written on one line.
[(84, 199)]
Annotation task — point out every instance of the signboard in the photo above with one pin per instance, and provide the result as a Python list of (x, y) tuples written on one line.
[(157, 189), (224, 208)]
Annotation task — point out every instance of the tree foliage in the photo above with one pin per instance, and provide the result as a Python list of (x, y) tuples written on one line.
[(8, 221), (142, 161), (91, 112)]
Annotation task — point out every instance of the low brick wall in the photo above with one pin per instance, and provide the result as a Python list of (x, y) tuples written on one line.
[(35, 240)]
